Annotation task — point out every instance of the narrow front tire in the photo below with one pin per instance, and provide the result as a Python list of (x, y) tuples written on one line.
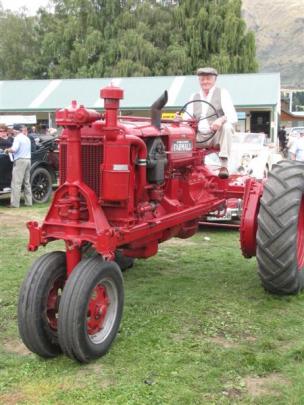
[(91, 309), (39, 302)]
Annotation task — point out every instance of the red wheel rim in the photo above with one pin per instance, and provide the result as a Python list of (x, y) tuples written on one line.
[(53, 302), (97, 309), (300, 239)]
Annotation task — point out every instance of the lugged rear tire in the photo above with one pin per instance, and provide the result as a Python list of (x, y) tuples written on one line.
[(280, 234)]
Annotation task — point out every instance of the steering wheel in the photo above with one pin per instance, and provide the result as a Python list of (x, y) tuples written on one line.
[(215, 114)]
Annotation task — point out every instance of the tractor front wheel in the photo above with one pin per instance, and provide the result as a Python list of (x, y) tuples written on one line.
[(280, 234), (39, 302), (91, 309)]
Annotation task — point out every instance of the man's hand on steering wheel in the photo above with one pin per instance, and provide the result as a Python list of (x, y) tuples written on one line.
[(218, 123)]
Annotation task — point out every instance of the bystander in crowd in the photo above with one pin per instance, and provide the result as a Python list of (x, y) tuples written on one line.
[(6, 140), (20, 151), (297, 148)]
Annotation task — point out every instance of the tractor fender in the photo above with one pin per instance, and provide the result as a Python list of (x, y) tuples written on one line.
[(249, 221)]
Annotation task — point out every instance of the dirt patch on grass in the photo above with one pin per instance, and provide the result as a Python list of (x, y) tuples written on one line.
[(14, 220), (179, 242), (94, 369), (251, 339), (233, 393), (292, 345), (16, 217), (221, 341), (16, 347), (258, 386), (12, 398)]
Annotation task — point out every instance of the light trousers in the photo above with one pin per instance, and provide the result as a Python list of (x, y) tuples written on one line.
[(221, 139), (21, 175)]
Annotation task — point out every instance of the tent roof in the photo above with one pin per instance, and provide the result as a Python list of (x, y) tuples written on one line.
[(247, 90)]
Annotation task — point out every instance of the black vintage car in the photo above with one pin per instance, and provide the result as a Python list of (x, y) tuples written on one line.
[(43, 171)]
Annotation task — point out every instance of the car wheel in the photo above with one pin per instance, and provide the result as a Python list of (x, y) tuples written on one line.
[(41, 184)]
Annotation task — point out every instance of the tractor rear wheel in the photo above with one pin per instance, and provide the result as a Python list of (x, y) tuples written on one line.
[(280, 234), (39, 302), (91, 309)]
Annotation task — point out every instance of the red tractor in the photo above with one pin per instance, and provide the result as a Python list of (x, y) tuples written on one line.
[(126, 185)]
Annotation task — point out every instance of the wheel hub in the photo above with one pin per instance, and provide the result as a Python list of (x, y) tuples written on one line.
[(97, 310), (300, 239), (53, 302)]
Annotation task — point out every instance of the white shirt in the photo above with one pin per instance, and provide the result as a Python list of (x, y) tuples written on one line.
[(227, 106), (297, 148), (21, 147)]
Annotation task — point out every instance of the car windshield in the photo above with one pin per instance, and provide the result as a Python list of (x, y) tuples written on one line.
[(296, 131), (248, 138), (245, 146)]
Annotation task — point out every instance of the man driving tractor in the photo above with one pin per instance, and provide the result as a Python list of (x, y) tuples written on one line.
[(215, 127)]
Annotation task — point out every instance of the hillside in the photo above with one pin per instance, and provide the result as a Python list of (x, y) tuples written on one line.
[(279, 28)]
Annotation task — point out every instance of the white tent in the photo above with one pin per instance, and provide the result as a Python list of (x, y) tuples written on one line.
[(18, 119)]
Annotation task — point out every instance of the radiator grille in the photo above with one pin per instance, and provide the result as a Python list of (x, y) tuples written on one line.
[(62, 162), (92, 157)]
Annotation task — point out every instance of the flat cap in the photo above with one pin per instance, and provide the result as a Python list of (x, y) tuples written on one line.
[(206, 71), (17, 127)]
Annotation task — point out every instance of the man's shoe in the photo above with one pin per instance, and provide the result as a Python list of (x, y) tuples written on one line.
[(223, 173)]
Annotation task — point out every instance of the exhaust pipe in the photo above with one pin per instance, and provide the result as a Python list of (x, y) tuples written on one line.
[(156, 108)]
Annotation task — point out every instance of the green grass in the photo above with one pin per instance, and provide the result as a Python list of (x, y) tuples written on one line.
[(197, 329)]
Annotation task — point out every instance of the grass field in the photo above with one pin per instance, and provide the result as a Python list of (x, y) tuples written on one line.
[(197, 329)]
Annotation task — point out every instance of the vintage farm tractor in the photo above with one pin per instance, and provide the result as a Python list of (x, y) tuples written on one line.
[(126, 185)]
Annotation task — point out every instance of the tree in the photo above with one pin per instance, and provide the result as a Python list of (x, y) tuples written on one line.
[(97, 38), (18, 47), (215, 34)]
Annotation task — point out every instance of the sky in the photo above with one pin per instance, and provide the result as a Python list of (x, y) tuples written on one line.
[(31, 5)]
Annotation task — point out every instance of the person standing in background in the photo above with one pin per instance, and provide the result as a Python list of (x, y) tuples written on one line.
[(21, 150), (5, 140), (282, 138), (297, 148)]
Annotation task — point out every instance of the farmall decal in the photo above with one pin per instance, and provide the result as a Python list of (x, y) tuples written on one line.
[(182, 146)]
